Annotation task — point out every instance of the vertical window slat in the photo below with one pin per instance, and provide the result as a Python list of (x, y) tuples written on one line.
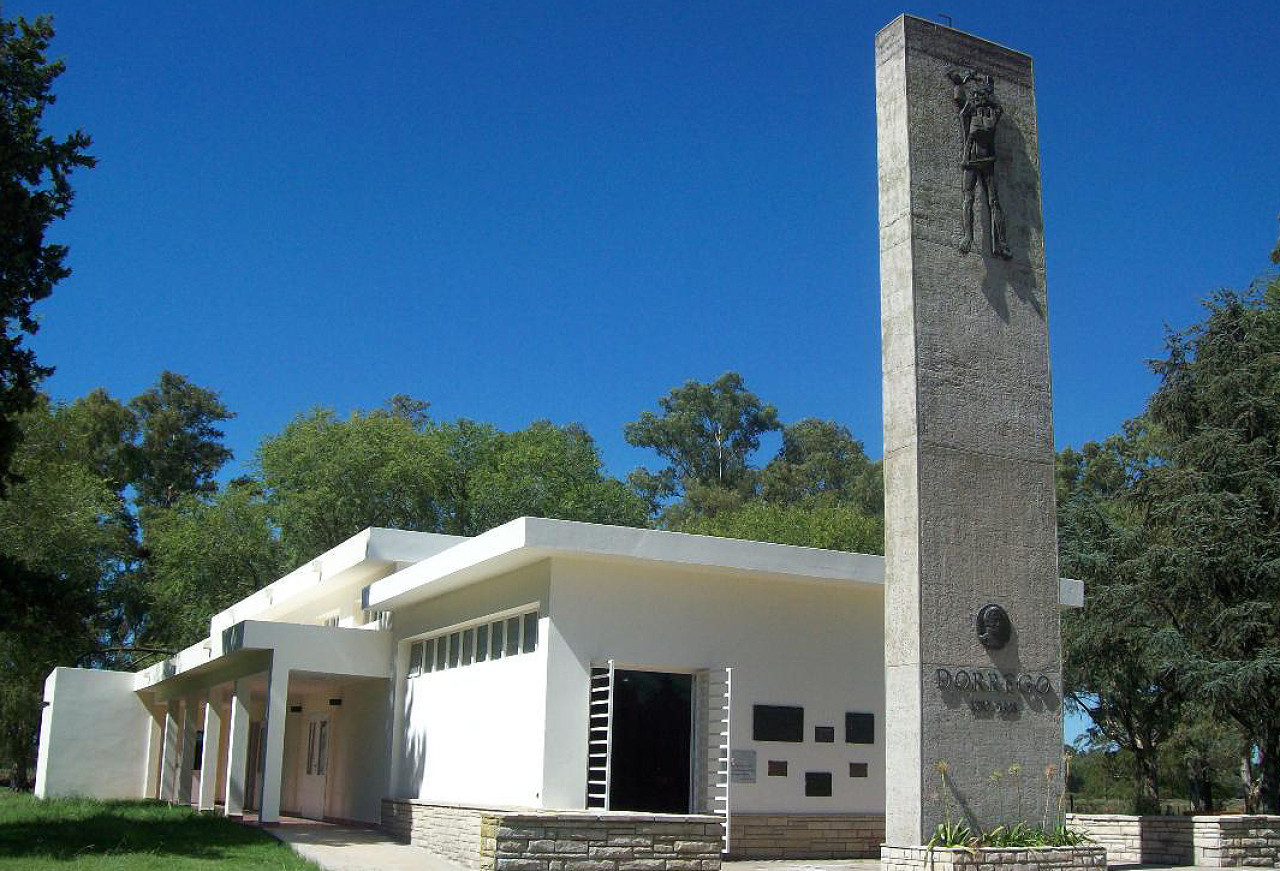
[(497, 639), (415, 659), (468, 640), (529, 640), (513, 636), (428, 655)]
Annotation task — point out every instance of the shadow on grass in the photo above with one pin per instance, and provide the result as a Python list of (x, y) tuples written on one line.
[(68, 828)]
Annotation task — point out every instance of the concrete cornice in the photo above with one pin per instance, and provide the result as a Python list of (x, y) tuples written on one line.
[(529, 539)]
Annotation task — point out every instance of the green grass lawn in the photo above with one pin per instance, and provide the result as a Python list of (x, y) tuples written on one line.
[(88, 835)]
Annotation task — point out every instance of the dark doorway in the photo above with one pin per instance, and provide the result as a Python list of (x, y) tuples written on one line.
[(652, 722)]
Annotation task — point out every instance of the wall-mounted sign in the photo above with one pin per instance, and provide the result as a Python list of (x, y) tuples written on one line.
[(1011, 688), (992, 681), (742, 766)]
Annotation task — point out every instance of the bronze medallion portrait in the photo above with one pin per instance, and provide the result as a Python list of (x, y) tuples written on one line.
[(994, 627)]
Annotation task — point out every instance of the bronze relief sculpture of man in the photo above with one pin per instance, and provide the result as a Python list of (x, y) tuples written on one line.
[(979, 113), (994, 628)]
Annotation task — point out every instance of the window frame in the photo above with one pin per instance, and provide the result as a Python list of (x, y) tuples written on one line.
[(447, 654)]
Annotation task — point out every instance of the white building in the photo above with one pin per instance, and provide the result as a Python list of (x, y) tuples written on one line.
[(545, 664)]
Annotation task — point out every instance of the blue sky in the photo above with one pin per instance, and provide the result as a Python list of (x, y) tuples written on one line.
[(563, 210), (524, 210)]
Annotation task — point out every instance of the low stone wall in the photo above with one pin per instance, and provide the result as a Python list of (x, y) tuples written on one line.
[(1235, 841), (451, 831), (805, 836), (1156, 840), (519, 839), (1087, 858)]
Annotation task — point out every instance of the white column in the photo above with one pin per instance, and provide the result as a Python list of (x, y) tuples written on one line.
[(170, 751), (237, 749), (209, 756), (273, 741), (186, 757), (155, 753)]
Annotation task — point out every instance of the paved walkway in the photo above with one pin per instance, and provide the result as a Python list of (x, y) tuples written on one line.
[(348, 848)]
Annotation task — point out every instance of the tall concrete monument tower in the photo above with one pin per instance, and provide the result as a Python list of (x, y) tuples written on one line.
[(973, 652)]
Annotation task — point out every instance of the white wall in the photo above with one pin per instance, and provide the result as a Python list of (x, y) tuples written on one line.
[(360, 752), (473, 733), (358, 748), (820, 646), (94, 735)]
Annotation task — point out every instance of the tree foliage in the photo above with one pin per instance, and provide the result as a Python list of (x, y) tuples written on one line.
[(1175, 524), (1211, 506), (329, 478), (61, 540), (832, 526), (179, 449), (205, 555), (820, 460), (819, 490), (706, 433), (35, 191), (1110, 671)]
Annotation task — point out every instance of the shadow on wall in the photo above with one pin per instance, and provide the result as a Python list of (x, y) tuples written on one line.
[(1021, 205), (413, 767)]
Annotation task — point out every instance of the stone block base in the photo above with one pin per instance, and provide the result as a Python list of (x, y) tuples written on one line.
[(1088, 858), (805, 836), (1211, 841), (1237, 841), (1153, 840), (523, 839)]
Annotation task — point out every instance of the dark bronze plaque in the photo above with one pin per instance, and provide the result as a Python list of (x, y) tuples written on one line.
[(994, 627)]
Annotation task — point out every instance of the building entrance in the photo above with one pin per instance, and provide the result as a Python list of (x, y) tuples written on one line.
[(652, 726)]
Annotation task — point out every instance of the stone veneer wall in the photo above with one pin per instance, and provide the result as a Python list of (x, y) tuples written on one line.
[(1157, 840), (805, 836), (1088, 858), (451, 831), (518, 839), (1233, 841)]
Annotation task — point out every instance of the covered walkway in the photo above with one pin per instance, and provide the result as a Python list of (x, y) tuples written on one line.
[(250, 721)]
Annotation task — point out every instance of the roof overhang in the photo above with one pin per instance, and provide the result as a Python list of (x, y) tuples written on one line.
[(366, 555), (252, 646), (527, 540)]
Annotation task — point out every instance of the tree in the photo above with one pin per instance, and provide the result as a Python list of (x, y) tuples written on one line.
[(1201, 754), (831, 526), (105, 431), (549, 471), (180, 449), (204, 557), (706, 433), (61, 540), (1110, 671), (821, 460), (35, 191), (1211, 505), (327, 478)]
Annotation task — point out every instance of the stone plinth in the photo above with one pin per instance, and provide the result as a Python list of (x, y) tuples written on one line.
[(1136, 840), (521, 839), (968, 441), (1214, 841), (992, 859), (1237, 841)]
